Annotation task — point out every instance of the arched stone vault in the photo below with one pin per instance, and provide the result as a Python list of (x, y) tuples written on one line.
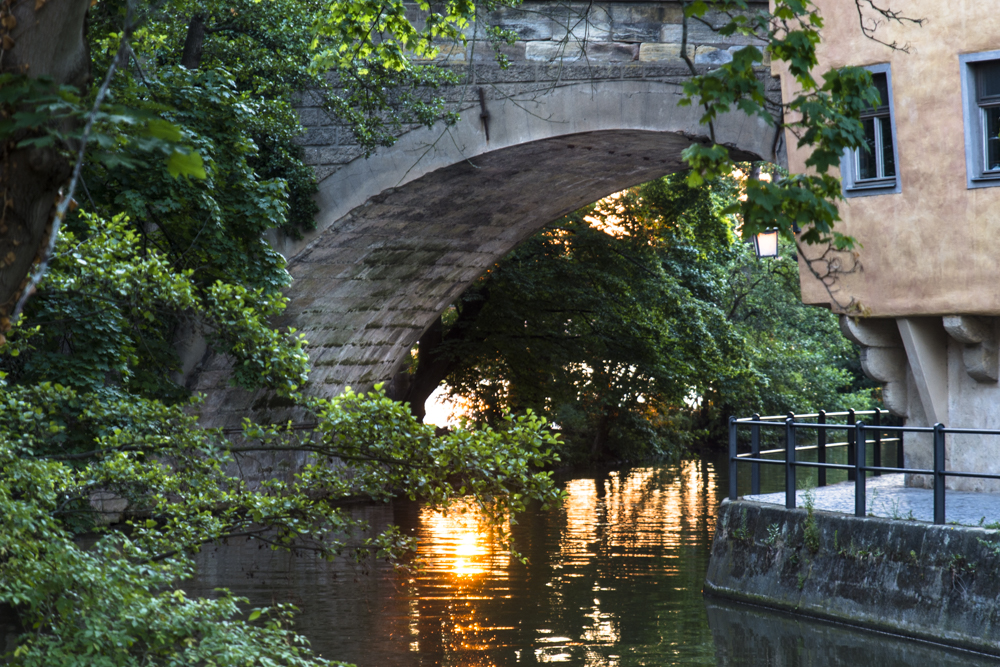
[(402, 234)]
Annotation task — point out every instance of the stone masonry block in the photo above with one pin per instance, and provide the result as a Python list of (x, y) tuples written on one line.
[(611, 52), (580, 26), (871, 332), (581, 70), (330, 154), (885, 364), (447, 52), (516, 73), (483, 51), (709, 55), (568, 51), (635, 32), (323, 171), (969, 330), (528, 29), (328, 135), (657, 52), (314, 116), (699, 33), (656, 13)]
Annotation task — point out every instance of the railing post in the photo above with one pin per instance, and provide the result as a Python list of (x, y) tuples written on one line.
[(850, 445), (733, 461), (859, 470), (790, 462), (821, 449), (755, 453), (877, 444), (939, 473), (899, 452)]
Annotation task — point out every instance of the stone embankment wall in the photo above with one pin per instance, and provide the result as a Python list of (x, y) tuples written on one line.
[(928, 582)]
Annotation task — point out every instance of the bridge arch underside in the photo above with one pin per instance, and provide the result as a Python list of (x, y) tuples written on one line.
[(369, 284)]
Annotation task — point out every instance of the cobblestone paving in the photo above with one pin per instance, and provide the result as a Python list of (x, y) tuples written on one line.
[(887, 497)]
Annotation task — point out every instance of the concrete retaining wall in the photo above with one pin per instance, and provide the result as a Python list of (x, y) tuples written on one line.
[(936, 583)]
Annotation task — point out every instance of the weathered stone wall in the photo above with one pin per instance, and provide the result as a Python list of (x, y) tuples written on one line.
[(558, 43), (402, 234), (936, 583)]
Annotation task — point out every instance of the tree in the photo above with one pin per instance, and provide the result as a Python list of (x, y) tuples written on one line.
[(48, 110), (638, 325), (78, 425), (604, 321), (796, 357), (368, 43)]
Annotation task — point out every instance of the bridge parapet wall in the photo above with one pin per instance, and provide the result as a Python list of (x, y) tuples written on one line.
[(558, 43)]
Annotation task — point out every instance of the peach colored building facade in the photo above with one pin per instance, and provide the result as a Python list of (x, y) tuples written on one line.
[(928, 280)]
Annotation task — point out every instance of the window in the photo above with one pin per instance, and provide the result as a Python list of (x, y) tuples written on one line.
[(981, 106), (988, 99), (872, 171)]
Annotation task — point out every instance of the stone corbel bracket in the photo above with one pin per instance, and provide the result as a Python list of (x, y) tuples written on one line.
[(883, 357), (980, 339)]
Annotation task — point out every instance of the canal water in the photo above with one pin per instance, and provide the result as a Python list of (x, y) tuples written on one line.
[(613, 578)]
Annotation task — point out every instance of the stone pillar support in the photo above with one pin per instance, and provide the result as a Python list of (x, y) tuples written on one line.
[(883, 357), (926, 347), (980, 339)]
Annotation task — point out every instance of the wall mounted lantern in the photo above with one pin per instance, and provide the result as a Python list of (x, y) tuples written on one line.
[(765, 244)]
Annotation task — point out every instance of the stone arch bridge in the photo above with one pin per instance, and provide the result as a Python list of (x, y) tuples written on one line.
[(587, 107)]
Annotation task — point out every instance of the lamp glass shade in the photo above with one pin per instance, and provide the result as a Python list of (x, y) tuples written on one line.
[(765, 244)]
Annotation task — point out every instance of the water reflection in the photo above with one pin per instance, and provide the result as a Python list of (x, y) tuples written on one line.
[(746, 636), (613, 579), (456, 542)]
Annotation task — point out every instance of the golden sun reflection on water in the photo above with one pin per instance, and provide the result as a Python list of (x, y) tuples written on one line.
[(457, 541), (617, 535)]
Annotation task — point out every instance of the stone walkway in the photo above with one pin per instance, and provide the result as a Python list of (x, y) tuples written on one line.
[(887, 497)]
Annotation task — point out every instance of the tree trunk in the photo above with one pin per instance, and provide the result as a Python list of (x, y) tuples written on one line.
[(432, 368), (434, 362), (194, 43), (601, 435), (49, 42)]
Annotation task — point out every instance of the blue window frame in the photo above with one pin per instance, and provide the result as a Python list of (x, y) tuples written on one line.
[(981, 111), (874, 170)]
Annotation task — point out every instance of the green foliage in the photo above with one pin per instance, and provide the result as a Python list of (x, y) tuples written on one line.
[(639, 324), (826, 118), (83, 414), (102, 320), (799, 359), (113, 599), (35, 112), (185, 174), (773, 534), (810, 527), (604, 321)]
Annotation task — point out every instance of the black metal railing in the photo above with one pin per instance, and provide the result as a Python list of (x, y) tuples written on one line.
[(859, 436)]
